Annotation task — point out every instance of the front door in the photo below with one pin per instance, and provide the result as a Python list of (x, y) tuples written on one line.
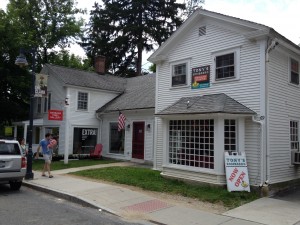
[(138, 136)]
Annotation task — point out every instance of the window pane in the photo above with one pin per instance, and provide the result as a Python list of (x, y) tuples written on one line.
[(191, 143), (116, 139), (225, 66), (82, 101), (179, 75), (230, 135), (294, 72), (294, 139)]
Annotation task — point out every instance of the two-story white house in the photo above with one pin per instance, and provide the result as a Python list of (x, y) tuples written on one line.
[(83, 108), (224, 84)]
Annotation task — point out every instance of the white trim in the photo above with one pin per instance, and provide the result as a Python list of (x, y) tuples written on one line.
[(237, 55)]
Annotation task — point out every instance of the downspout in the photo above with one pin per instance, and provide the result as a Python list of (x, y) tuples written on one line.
[(262, 148), (272, 46)]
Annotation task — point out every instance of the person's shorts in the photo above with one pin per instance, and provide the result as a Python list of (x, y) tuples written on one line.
[(47, 158)]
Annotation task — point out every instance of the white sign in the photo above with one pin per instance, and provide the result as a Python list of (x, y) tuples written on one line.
[(236, 172)]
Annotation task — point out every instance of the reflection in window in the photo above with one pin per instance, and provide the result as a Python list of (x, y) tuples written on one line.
[(116, 139), (225, 66), (191, 143), (229, 135), (179, 75)]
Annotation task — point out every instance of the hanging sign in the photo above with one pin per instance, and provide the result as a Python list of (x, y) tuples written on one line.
[(200, 77), (41, 81), (236, 172), (55, 115)]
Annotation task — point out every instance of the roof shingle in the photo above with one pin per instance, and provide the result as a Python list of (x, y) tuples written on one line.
[(216, 103)]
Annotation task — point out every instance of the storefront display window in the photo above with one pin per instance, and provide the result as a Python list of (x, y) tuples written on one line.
[(85, 140)]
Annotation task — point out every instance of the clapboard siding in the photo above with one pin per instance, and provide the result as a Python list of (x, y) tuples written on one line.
[(199, 52), (216, 39), (131, 116), (253, 151), (284, 104)]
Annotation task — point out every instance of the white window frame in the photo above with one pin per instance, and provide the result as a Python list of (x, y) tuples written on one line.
[(87, 101), (236, 51), (187, 67), (294, 132), (290, 71)]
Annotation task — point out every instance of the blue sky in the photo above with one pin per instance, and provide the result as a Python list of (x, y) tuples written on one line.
[(281, 15)]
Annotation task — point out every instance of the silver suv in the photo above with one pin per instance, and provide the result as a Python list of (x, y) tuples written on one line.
[(12, 163)]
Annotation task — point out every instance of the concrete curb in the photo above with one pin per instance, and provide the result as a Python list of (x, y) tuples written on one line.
[(68, 197)]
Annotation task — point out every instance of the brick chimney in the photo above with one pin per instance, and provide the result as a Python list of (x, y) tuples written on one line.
[(100, 64)]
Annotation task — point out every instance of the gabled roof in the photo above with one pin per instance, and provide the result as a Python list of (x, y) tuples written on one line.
[(256, 31), (216, 103), (139, 94), (81, 78)]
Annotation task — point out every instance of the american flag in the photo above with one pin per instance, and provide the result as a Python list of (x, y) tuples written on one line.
[(121, 122)]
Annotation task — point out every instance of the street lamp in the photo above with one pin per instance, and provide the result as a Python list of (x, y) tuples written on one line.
[(21, 61)]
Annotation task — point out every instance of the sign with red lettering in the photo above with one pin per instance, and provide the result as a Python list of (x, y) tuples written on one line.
[(55, 115), (200, 77), (236, 172)]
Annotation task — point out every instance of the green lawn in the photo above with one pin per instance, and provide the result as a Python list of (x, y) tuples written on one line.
[(38, 164), (151, 180)]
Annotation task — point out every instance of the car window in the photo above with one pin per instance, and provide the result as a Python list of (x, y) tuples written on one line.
[(9, 149)]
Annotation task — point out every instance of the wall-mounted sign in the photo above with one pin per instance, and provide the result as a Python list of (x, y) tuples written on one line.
[(236, 172), (41, 81), (200, 77), (55, 115)]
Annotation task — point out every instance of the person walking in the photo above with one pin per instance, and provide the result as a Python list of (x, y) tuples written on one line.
[(46, 154)]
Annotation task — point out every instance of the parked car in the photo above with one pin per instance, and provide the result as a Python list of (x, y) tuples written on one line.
[(12, 163)]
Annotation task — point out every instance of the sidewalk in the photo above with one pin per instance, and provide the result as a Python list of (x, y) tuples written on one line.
[(139, 207)]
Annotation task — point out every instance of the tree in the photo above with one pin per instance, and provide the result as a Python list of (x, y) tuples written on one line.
[(123, 29), (64, 58), (45, 24), (191, 6), (14, 82)]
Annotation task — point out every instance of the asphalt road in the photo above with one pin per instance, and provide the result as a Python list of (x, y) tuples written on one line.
[(30, 207)]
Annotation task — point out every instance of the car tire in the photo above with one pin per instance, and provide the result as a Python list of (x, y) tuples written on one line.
[(15, 185)]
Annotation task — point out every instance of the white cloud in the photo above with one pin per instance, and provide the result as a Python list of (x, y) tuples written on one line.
[(281, 15)]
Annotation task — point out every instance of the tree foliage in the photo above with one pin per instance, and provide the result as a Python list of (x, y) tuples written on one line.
[(43, 24), (191, 6), (64, 58), (122, 29)]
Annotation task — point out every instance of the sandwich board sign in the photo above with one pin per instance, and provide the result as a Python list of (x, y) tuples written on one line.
[(237, 176)]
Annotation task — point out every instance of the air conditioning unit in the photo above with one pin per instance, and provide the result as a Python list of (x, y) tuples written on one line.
[(296, 157)]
